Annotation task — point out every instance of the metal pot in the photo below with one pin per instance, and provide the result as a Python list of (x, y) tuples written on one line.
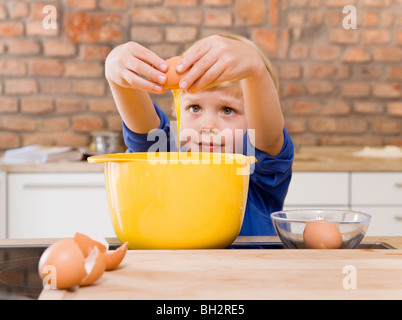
[(106, 142)]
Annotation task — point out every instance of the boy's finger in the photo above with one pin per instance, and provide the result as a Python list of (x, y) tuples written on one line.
[(144, 69), (192, 56), (138, 82), (208, 79), (197, 71), (148, 56)]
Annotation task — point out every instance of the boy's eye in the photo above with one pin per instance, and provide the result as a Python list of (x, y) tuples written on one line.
[(227, 111), (195, 108)]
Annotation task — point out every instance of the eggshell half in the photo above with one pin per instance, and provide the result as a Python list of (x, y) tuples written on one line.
[(94, 266), (66, 260), (114, 258), (173, 78), (86, 242), (321, 234)]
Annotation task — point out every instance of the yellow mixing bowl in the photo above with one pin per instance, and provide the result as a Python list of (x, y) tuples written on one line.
[(158, 201)]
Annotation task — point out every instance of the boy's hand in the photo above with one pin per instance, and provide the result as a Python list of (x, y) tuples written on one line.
[(133, 66), (218, 59)]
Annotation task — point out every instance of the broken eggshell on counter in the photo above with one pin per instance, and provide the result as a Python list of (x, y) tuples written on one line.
[(78, 261)]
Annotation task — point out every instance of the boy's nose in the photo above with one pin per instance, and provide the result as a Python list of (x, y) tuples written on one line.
[(209, 125)]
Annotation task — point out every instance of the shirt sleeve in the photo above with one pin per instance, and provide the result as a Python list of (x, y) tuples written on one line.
[(156, 140), (269, 172)]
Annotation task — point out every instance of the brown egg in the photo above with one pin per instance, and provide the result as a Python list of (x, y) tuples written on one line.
[(321, 234), (86, 242), (63, 264), (173, 78)]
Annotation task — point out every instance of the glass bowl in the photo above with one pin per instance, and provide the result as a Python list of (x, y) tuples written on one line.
[(290, 226)]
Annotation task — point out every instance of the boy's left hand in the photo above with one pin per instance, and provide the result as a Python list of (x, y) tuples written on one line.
[(217, 59)]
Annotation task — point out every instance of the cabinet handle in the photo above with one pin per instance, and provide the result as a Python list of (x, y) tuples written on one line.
[(398, 185), (61, 186), (398, 218)]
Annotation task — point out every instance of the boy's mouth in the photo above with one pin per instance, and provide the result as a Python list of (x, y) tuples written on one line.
[(210, 147)]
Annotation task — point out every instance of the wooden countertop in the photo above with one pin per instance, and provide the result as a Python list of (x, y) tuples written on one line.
[(307, 159), (247, 274)]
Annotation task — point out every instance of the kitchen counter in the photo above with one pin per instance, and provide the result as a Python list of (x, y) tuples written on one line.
[(307, 159), (246, 274)]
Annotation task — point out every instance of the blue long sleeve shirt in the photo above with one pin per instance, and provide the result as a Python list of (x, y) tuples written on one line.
[(269, 180)]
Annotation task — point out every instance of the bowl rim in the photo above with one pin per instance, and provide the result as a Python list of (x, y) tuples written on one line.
[(275, 217)]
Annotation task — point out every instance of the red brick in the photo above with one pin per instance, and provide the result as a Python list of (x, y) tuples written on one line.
[(19, 10), (266, 40), (395, 73), (372, 19), (48, 68), (71, 139), (83, 69), (82, 27), (303, 108), (147, 34), (357, 55), (377, 3), (56, 86), (298, 51), (9, 140), (58, 48), (325, 53), (87, 123), (387, 54), (386, 126), (70, 106), (323, 125), (82, 4), (114, 123), (290, 89), (319, 71), (395, 109), (273, 12), (290, 71), (36, 105), (89, 87), (338, 107), (102, 106), (191, 17), (368, 107), (11, 29), (340, 3), (94, 52), (319, 87), (54, 124), (387, 90), (217, 3), (342, 36), (153, 16), (21, 86), (35, 28), (13, 67), (218, 18), (114, 4), (37, 138), (295, 125), (376, 36), (250, 12), (181, 34), (18, 123), (22, 46), (3, 12), (355, 90), (8, 105), (181, 3), (352, 125)]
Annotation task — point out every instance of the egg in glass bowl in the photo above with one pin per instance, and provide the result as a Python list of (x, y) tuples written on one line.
[(320, 228)]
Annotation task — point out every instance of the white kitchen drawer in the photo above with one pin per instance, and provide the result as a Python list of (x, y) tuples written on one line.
[(376, 188), (318, 189), (385, 221), (42, 205)]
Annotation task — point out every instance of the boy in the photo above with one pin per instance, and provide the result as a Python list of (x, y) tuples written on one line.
[(227, 85)]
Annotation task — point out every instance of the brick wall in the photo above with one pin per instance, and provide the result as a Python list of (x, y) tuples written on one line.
[(337, 86)]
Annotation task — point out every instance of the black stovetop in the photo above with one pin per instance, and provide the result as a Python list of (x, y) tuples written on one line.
[(19, 277)]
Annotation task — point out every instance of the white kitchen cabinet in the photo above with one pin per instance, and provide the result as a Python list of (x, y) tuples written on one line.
[(318, 190), (3, 206), (54, 205), (379, 194)]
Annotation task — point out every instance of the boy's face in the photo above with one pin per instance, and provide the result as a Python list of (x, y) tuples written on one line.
[(213, 120)]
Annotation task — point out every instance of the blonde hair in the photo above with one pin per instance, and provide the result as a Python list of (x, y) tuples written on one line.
[(264, 58)]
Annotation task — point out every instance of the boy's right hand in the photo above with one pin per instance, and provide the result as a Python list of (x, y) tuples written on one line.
[(131, 65)]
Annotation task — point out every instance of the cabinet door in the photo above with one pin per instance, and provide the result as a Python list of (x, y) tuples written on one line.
[(42, 205), (385, 221), (318, 189), (377, 188), (3, 205)]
